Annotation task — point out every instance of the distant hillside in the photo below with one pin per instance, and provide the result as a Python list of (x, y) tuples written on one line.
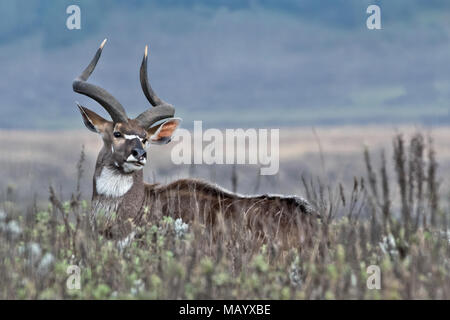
[(231, 63), (22, 18)]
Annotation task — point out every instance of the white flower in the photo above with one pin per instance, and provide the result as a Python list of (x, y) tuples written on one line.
[(32, 252), (353, 280), (125, 242), (138, 287), (13, 229), (445, 235), (45, 263), (181, 228), (388, 245), (295, 274)]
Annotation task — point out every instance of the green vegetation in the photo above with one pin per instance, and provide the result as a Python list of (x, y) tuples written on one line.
[(405, 235)]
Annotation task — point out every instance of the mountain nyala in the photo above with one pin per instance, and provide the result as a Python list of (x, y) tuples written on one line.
[(126, 203)]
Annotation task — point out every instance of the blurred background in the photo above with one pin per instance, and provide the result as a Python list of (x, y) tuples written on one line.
[(311, 68)]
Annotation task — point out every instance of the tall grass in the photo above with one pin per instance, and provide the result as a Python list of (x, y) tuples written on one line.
[(401, 227)]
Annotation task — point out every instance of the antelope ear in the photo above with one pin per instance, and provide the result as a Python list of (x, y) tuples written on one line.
[(162, 133), (92, 121)]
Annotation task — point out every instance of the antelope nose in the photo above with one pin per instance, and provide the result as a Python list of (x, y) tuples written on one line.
[(139, 153)]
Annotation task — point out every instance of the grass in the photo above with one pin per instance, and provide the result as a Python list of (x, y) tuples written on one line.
[(397, 224)]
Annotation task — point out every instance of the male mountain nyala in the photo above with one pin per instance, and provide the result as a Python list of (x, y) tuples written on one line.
[(125, 202)]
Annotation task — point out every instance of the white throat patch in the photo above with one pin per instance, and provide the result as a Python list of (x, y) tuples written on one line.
[(113, 184)]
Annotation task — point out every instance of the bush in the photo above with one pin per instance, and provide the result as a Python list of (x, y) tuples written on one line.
[(407, 239)]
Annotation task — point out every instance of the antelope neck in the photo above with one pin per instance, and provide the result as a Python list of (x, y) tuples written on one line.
[(111, 183)]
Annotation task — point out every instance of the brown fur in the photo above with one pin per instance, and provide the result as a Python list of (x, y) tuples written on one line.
[(127, 202), (265, 216)]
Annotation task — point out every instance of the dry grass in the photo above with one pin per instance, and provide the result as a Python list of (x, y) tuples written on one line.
[(36, 159), (405, 234)]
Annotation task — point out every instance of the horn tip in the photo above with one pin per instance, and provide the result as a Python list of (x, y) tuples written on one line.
[(103, 43), (146, 51)]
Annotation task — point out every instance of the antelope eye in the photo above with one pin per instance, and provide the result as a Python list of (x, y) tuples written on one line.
[(117, 134)]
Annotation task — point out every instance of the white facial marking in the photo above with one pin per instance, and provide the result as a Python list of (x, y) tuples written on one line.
[(113, 184), (132, 136), (130, 167), (131, 158)]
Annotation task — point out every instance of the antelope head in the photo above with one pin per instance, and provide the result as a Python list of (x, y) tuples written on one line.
[(126, 140)]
